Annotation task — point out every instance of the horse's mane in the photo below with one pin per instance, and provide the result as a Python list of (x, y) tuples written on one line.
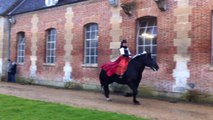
[(138, 55)]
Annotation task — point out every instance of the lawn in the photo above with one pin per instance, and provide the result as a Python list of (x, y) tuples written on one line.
[(14, 108)]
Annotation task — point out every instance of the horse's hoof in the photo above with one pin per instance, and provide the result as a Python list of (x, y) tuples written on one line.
[(108, 99)]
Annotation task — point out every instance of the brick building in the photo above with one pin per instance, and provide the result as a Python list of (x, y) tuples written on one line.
[(56, 41)]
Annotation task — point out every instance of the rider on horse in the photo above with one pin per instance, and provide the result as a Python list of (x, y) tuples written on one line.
[(119, 66)]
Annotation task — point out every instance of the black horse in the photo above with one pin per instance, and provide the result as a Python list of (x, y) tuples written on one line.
[(132, 76)]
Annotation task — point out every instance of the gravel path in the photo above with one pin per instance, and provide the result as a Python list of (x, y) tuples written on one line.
[(154, 109)]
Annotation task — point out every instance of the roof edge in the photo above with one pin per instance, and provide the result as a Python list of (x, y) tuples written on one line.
[(54, 6), (18, 5)]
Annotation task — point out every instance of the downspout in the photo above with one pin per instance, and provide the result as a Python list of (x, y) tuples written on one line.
[(9, 37), (11, 21)]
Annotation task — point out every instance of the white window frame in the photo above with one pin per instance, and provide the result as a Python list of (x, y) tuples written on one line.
[(51, 2), (91, 45), (21, 48), (148, 40), (50, 46)]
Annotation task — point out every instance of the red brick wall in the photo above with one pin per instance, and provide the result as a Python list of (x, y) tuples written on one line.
[(200, 49), (55, 18), (99, 12), (56, 21), (92, 13), (23, 23), (161, 80)]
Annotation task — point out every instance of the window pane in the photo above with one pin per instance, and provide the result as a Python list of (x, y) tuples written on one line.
[(23, 46), (88, 35), (92, 59), (151, 23), (96, 59), (48, 52), (149, 31), (48, 45), (92, 51), (140, 50), (140, 41), (148, 41), (143, 24), (93, 35), (53, 46), (147, 48), (54, 32), (22, 59), (48, 37), (87, 59), (88, 28), (87, 51), (154, 41), (52, 59), (53, 53), (93, 43), (87, 44), (47, 59), (94, 27), (142, 30), (96, 52), (154, 49), (154, 31)]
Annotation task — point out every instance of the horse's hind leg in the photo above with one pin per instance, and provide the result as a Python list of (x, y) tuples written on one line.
[(106, 92)]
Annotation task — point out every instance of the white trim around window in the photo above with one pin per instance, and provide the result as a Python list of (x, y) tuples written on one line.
[(50, 46), (91, 45), (21, 48), (147, 36)]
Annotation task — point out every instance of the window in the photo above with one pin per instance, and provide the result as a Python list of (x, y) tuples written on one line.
[(113, 2), (146, 36), (91, 44), (51, 2), (21, 47), (51, 46)]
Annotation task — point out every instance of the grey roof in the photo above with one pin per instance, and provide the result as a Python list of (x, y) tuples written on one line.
[(7, 5), (34, 5)]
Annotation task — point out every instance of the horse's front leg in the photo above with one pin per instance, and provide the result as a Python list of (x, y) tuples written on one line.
[(106, 92), (134, 93)]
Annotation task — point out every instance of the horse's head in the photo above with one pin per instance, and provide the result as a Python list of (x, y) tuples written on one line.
[(150, 62), (147, 60)]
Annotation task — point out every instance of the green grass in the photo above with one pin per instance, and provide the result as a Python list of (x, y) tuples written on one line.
[(14, 108)]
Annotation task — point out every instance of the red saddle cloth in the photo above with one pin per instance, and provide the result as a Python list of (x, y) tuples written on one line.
[(118, 66)]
